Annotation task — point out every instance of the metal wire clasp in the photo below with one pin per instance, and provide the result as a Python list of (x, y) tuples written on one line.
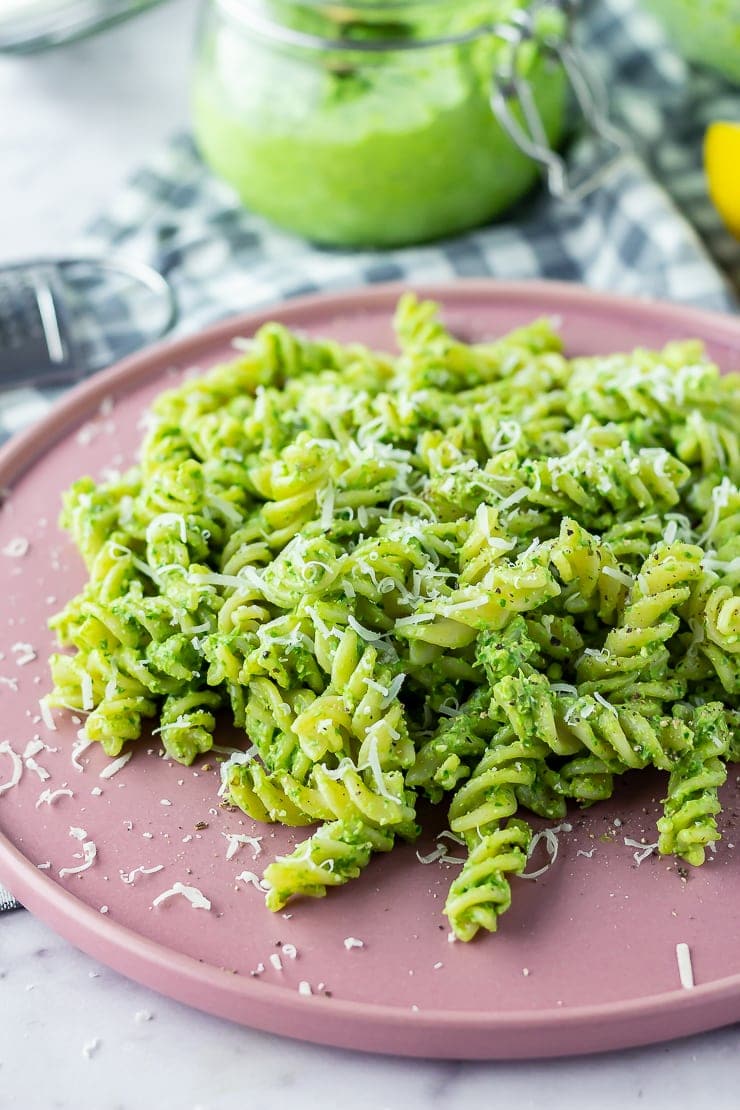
[(510, 89)]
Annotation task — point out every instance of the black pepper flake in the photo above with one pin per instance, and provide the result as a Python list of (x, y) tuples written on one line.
[(201, 825)]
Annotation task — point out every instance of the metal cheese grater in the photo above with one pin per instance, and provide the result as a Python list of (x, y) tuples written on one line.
[(62, 319)]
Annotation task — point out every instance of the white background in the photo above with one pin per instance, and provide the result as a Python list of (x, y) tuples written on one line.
[(72, 124)]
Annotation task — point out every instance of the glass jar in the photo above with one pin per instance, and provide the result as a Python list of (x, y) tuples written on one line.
[(706, 31), (370, 123), (29, 25)]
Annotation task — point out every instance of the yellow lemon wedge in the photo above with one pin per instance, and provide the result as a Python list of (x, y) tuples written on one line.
[(722, 165)]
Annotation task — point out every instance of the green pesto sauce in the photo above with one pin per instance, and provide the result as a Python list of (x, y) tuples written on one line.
[(400, 148)]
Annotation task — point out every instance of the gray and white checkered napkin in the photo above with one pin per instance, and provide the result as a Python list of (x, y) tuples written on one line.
[(650, 230)]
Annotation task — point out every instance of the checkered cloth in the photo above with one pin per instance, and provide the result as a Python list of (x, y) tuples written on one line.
[(649, 230)]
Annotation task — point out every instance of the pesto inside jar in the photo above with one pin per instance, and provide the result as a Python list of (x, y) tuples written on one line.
[(367, 148)]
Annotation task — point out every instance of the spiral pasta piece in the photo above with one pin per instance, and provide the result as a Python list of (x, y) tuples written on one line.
[(619, 736), (187, 724), (595, 486), (489, 796), (482, 891), (338, 852), (445, 759), (688, 825), (589, 572)]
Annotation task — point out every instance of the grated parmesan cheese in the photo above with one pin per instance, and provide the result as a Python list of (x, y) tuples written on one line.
[(86, 691), (114, 767), (162, 521), (46, 714), (364, 633), (685, 967), (433, 856), (237, 840), (17, 767), (48, 797), (81, 744), (254, 880), (394, 689), (32, 765), (643, 850), (89, 1048), (550, 836), (131, 876), (16, 548), (89, 853), (234, 760), (191, 894), (353, 942), (24, 653), (606, 704), (618, 575)]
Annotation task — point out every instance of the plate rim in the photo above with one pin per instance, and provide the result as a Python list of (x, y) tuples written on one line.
[(273, 1008)]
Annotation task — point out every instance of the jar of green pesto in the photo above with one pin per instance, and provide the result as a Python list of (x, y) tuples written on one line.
[(376, 123)]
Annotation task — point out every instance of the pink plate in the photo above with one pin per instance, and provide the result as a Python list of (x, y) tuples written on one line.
[(586, 958)]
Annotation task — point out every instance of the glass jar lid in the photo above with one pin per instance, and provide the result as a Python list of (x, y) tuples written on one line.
[(382, 25)]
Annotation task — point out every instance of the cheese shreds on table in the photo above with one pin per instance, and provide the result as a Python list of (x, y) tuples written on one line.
[(89, 1048), (16, 766), (114, 767), (81, 744), (550, 836), (16, 548), (48, 797), (24, 654), (191, 894), (643, 850), (685, 967), (89, 853), (252, 879), (46, 714), (130, 877), (238, 840), (432, 856), (35, 747), (32, 765)]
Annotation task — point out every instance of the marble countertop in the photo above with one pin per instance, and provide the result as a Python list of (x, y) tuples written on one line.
[(73, 1034)]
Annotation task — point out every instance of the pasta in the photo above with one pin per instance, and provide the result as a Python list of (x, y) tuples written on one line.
[(479, 574)]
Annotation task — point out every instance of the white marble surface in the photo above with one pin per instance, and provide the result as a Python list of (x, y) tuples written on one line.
[(72, 124)]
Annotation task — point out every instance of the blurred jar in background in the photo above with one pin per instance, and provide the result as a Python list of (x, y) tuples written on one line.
[(706, 31), (369, 123)]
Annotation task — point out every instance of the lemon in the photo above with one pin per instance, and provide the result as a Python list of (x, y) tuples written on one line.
[(722, 164)]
